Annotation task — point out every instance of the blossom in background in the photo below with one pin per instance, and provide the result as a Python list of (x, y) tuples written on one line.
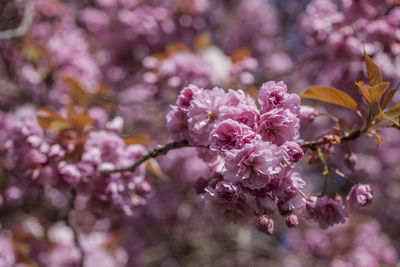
[(324, 211)]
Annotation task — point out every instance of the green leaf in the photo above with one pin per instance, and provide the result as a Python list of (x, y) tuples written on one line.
[(376, 92), (330, 95), (142, 139), (364, 90), (388, 97), (77, 91), (49, 119), (57, 126), (373, 71), (393, 114), (376, 112)]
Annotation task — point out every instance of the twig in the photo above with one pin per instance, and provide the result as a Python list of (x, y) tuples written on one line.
[(341, 174), (304, 195), (163, 150), (23, 27), (296, 66), (325, 172), (74, 231), (158, 151), (333, 118), (347, 137)]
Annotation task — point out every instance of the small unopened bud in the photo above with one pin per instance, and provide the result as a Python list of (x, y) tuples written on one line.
[(265, 225), (339, 199), (350, 160), (332, 138), (292, 221), (307, 114)]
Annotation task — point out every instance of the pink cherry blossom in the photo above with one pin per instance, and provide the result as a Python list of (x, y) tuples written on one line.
[(274, 95), (230, 134), (292, 152), (253, 165), (360, 195), (226, 204), (278, 126), (323, 210), (205, 111)]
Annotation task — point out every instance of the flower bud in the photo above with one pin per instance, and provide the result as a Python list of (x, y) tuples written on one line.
[(307, 114), (292, 221), (339, 199), (265, 225), (359, 195)]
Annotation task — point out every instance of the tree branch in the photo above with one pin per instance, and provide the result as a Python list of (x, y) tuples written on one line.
[(24, 26), (158, 151), (296, 66), (321, 141), (163, 150), (77, 243)]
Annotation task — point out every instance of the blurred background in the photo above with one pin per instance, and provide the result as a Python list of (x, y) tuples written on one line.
[(125, 61)]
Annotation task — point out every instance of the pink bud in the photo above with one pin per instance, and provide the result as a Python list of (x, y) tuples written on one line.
[(292, 221), (339, 199), (265, 225)]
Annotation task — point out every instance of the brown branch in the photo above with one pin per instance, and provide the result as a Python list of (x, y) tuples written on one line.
[(321, 141), (163, 150), (24, 26), (158, 151), (67, 221), (296, 66)]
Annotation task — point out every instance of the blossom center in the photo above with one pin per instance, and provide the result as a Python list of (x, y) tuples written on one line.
[(212, 116)]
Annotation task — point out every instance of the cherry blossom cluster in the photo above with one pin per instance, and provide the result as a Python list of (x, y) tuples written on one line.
[(344, 245), (178, 69), (335, 31), (58, 162), (84, 91), (53, 50), (255, 148)]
